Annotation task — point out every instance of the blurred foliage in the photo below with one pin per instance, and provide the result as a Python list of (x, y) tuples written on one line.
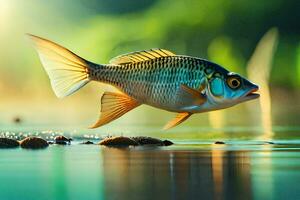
[(225, 32), (298, 65)]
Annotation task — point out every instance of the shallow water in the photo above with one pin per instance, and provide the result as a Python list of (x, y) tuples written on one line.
[(239, 169)]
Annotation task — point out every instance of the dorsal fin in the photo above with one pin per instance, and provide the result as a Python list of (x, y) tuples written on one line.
[(139, 56)]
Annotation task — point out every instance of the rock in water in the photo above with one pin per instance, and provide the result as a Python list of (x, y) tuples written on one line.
[(62, 140), (118, 141), (87, 142), (34, 143), (167, 142), (219, 142), (142, 140), (8, 143)]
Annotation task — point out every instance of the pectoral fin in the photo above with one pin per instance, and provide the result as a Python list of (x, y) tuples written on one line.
[(180, 117), (188, 96), (113, 106)]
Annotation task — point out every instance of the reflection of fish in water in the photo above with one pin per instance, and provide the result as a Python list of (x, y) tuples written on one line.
[(157, 77)]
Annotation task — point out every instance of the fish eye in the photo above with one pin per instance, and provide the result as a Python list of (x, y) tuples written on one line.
[(233, 82)]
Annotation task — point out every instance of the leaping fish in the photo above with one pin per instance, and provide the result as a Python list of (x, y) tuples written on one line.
[(157, 77)]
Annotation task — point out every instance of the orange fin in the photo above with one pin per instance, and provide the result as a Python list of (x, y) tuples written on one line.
[(180, 117), (190, 96), (113, 106)]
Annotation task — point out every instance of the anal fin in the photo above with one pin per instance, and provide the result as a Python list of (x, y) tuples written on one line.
[(180, 117), (113, 106)]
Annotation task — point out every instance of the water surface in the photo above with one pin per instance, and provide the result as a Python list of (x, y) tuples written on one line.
[(239, 169)]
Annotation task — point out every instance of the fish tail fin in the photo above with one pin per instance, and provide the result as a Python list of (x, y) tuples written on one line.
[(67, 71)]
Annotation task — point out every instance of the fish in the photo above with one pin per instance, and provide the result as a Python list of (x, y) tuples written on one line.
[(159, 78)]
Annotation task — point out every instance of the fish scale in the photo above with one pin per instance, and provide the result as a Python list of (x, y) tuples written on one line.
[(154, 82)]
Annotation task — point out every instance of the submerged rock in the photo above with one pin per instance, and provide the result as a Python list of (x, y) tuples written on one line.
[(118, 141), (219, 142), (34, 143), (62, 140), (87, 142), (134, 141), (8, 143), (61, 143), (167, 142), (144, 140)]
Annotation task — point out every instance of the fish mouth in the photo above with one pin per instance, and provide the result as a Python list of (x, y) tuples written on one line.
[(251, 94)]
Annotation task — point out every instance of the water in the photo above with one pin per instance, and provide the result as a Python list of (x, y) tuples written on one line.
[(240, 169)]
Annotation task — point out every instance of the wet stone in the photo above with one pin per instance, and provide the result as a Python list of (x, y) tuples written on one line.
[(167, 142), (34, 143), (87, 142), (219, 142), (62, 140), (142, 140), (8, 143), (118, 141)]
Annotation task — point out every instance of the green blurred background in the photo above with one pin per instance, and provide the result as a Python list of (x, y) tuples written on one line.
[(225, 32)]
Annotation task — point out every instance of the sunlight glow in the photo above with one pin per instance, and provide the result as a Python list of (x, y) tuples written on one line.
[(259, 68), (217, 156), (5, 7), (217, 119)]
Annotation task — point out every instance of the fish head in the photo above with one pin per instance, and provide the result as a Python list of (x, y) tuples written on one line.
[(229, 89)]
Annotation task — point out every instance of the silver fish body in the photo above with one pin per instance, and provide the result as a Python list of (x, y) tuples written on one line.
[(156, 77), (156, 82)]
